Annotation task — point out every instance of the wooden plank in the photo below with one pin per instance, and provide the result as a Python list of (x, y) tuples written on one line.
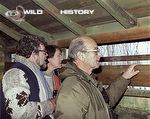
[(144, 21), (10, 32), (107, 74), (137, 93), (120, 58), (2, 41), (132, 34), (3, 44), (122, 16), (26, 26), (49, 7), (115, 27), (127, 35), (125, 58)]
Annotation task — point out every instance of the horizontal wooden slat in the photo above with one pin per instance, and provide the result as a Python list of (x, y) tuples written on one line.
[(125, 58), (121, 58), (128, 35), (107, 74), (138, 93)]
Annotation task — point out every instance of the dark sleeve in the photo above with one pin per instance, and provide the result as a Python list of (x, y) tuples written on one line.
[(116, 90)]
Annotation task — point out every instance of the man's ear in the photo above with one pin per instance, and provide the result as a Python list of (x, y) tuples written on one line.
[(34, 54), (81, 56)]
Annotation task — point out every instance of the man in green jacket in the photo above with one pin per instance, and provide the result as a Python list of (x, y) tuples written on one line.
[(79, 96)]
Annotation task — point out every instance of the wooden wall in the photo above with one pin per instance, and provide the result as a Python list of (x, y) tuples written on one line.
[(108, 73)]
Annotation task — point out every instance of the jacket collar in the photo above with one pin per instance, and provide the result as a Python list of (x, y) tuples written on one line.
[(72, 69), (25, 61)]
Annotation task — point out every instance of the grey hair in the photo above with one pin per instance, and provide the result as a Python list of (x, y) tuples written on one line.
[(76, 46)]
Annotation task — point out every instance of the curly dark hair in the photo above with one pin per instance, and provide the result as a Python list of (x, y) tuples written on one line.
[(28, 44)]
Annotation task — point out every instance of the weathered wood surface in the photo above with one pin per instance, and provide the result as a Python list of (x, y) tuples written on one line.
[(125, 58), (128, 35), (107, 74)]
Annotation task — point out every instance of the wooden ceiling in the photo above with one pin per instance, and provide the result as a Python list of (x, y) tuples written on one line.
[(112, 21)]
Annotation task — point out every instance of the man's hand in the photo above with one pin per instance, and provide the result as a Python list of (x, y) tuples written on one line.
[(130, 72)]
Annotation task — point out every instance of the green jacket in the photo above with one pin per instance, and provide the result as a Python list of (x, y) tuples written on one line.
[(80, 98)]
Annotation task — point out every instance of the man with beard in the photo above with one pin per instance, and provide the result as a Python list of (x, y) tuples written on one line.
[(24, 87)]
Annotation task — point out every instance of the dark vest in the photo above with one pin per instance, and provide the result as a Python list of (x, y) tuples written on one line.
[(34, 91)]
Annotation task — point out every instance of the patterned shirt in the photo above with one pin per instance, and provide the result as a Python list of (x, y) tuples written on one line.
[(17, 90)]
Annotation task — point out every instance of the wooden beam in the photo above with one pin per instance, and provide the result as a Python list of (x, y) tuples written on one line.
[(144, 21), (2, 41), (127, 35), (49, 7), (10, 32), (103, 28), (120, 58), (26, 26), (137, 93), (108, 74), (125, 58), (122, 16), (132, 34), (4, 47)]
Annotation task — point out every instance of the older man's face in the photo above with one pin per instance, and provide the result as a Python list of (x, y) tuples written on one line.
[(92, 54)]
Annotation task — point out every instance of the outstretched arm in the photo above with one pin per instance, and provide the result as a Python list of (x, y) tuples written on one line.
[(119, 86)]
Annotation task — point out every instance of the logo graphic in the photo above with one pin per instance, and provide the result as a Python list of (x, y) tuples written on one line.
[(19, 14), (16, 15)]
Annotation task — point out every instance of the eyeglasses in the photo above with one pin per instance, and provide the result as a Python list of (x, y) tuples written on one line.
[(97, 51)]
